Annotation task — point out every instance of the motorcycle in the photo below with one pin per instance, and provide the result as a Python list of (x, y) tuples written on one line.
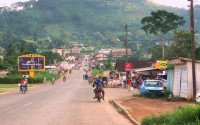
[(23, 88), (99, 95)]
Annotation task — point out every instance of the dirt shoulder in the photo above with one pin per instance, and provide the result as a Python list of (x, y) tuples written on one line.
[(140, 107)]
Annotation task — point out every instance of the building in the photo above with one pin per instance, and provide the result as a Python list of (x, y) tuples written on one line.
[(105, 51), (180, 79), (120, 52), (58, 50)]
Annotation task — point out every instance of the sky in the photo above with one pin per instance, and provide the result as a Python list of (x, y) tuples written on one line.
[(173, 3), (9, 2), (176, 3)]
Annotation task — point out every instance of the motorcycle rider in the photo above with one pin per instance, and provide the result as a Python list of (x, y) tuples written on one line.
[(23, 81), (99, 87)]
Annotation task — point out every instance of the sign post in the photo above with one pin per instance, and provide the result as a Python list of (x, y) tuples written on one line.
[(31, 63), (128, 68)]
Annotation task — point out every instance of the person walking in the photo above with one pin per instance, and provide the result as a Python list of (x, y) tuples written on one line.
[(53, 80), (128, 81), (45, 79), (89, 80), (64, 78)]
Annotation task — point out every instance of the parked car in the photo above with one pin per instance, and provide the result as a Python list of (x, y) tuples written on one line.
[(151, 87), (164, 82)]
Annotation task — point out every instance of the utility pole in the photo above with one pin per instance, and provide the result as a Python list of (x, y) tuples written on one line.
[(128, 74), (126, 41), (192, 46)]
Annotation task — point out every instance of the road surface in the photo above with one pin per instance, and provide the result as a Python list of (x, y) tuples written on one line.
[(64, 103)]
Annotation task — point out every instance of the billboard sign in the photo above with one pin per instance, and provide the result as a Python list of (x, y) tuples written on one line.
[(31, 62), (128, 66), (161, 64)]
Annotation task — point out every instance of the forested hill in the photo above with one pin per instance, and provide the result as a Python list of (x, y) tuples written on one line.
[(95, 22)]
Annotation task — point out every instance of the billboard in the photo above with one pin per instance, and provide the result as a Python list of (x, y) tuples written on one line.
[(31, 62), (161, 64)]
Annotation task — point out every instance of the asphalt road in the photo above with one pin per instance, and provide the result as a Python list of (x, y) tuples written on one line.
[(69, 103)]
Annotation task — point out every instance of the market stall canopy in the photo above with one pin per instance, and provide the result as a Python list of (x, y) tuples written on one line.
[(65, 66), (71, 58), (148, 70)]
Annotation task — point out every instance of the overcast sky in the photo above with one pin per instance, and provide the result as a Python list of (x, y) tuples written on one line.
[(9, 2), (174, 3)]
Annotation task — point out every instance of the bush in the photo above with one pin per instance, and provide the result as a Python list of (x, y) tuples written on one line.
[(14, 78)]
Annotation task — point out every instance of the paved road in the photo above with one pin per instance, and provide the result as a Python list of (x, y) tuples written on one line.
[(69, 103)]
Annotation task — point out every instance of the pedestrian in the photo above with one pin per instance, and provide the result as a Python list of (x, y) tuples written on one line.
[(128, 81), (45, 79), (64, 78), (124, 85), (89, 80), (53, 80), (133, 83)]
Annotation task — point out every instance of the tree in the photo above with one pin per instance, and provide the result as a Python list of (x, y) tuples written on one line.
[(50, 57), (156, 52), (23, 47), (11, 50), (181, 46), (160, 23), (2, 64), (108, 65), (32, 47), (65, 36), (138, 55), (197, 53)]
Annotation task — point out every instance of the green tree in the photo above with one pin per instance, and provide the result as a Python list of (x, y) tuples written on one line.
[(50, 57), (138, 55), (11, 50), (11, 62), (23, 46), (197, 53), (2, 64), (65, 36), (181, 46), (160, 23), (156, 52), (108, 65), (32, 47)]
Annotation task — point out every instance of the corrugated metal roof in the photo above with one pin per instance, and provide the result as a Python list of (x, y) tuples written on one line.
[(120, 64)]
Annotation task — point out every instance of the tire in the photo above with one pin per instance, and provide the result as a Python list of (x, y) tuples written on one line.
[(99, 99), (23, 91)]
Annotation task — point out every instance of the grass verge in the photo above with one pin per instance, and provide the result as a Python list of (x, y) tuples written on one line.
[(120, 110), (2, 91), (10, 86), (7, 86), (182, 116)]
